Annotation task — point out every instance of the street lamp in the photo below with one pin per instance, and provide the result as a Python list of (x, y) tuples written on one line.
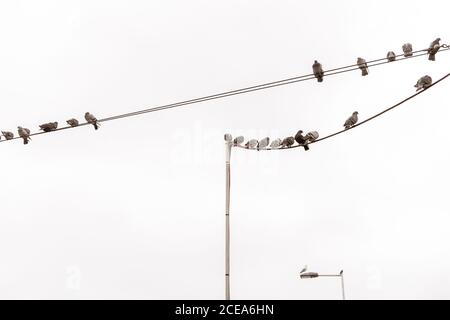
[(252, 144), (311, 275)]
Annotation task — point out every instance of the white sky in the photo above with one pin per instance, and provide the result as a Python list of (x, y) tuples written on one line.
[(136, 209)]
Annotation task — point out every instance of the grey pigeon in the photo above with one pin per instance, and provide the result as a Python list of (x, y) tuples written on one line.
[(275, 143), (301, 140), (407, 49), (73, 122), (24, 133), (288, 142), (226, 136), (311, 136), (433, 49), (390, 56), (318, 71), (47, 127), (350, 122), (91, 119), (8, 135), (363, 66), (423, 83), (263, 143), (238, 140), (251, 144)]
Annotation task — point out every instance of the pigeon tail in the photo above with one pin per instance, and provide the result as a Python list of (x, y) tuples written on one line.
[(95, 125), (319, 79), (365, 72), (25, 140), (306, 147), (432, 57)]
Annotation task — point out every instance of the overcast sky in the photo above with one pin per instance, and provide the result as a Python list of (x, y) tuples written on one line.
[(135, 210)]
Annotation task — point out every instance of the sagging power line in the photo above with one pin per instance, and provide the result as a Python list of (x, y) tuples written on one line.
[(313, 137)]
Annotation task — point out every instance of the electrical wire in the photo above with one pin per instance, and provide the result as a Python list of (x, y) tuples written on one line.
[(263, 86), (354, 126)]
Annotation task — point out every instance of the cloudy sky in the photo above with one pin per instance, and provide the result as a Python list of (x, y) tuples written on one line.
[(135, 210)]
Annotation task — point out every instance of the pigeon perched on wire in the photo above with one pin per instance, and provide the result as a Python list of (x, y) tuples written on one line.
[(318, 71), (350, 122), (301, 140), (288, 142), (73, 122), (47, 127), (407, 49), (390, 56), (433, 49), (423, 83), (363, 66), (263, 143), (251, 144), (275, 143), (24, 133), (238, 140), (8, 135), (311, 136), (91, 119)]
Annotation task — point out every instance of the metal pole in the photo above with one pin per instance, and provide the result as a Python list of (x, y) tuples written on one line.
[(340, 275), (342, 282), (228, 146)]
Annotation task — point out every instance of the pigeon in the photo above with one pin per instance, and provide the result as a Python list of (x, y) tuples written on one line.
[(318, 71), (263, 143), (363, 66), (423, 83), (251, 144), (390, 56), (91, 119), (301, 140), (24, 133), (275, 143), (238, 140), (73, 122), (407, 49), (304, 269), (433, 49), (8, 135), (288, 142), (47, 127), (350, 122), (311, 136)]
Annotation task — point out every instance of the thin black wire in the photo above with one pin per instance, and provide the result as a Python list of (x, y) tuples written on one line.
[(263, 86), (268, 85), (356, 125)]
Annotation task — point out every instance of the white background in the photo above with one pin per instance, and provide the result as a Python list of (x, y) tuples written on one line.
[(135, 210)]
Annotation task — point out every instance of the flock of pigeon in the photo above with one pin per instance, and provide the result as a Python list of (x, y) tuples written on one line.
[(303, 140), (423, 83), (24, 133), (391, 56)]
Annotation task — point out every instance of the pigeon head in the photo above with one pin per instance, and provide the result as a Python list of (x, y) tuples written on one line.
[(356, 112)]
